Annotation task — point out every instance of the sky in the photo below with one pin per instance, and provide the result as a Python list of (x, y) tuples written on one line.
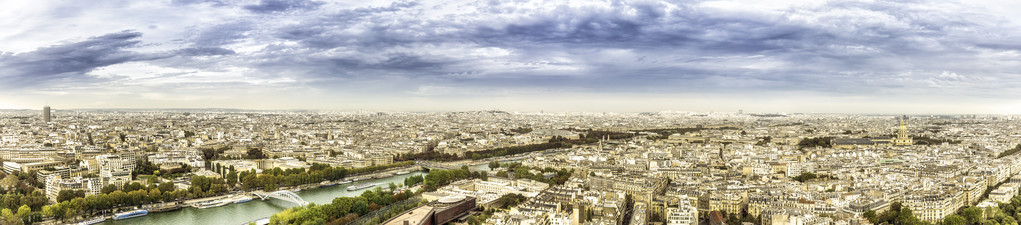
[(905, 56)]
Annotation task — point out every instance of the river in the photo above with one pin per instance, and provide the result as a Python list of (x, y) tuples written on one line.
[(249, 211)]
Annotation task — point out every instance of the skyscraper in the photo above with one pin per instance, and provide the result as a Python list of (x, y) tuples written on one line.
[(46, 113)]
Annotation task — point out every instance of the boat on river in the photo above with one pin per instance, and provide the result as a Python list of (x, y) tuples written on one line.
[(132, 214), (361, 186), (92, 221), (209, 204), (243, 200), (326, 184)]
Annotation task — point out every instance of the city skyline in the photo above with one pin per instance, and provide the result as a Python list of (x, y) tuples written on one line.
[(760, 56)]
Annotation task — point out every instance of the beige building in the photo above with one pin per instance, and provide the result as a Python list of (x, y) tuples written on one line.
[(643, 189), (730, 202), (1004, 193), (684, 214), (933, 205), (55, 185)]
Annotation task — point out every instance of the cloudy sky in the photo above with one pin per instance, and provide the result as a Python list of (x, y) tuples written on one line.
[(912, 56)]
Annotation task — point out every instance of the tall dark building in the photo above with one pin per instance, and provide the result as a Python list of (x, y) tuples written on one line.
[(46, 113)]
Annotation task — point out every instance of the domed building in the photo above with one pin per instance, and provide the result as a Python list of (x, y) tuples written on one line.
[(903, 139)]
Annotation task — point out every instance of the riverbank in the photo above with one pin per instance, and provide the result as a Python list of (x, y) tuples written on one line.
[(176, 206), (249, 211)]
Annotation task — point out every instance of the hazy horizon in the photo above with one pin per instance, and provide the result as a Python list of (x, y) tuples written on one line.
[(919, 57), (744, 112)]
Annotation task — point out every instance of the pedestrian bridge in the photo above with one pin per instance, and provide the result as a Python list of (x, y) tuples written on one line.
[(282, 195)]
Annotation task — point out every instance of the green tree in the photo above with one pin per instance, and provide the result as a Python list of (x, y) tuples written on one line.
[(972, 214), (907, 217), (9, 182), (1009, 220), (132, 187), (8, 217), (413, 180), (47, 211), (806, 176), (871, 216), (166, 187), (896, 206), (23, 213), (232, 178), (494, 164), (68, 195), (256, 153), (360, 206), (732, 219)]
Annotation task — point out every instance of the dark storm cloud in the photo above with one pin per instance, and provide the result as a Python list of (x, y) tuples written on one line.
[(460, 49), (642, 46), (320, 33), (650, 31), (272, 6), (682, 29), (69, 62), (858, 43)]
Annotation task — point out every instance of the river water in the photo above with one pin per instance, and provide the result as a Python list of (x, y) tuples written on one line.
[(231, 214)]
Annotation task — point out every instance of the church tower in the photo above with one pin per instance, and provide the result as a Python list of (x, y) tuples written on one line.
[(902, 135)]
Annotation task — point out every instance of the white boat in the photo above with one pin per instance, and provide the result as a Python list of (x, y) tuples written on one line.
[(132, 214), (403, 172), (326, 183), (243, 200), (361, 186), (92, 221), (209, 204), (344, 182)]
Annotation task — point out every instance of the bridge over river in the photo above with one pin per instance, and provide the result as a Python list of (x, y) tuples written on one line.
[(242, 213), (285, 195)]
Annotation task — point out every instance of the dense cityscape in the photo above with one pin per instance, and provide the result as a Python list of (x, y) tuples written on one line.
[(496, 167), (510, 112)]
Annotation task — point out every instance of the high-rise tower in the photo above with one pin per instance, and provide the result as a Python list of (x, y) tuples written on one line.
[(46, 114)]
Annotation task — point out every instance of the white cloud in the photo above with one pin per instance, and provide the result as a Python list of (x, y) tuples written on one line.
[(457, 49)]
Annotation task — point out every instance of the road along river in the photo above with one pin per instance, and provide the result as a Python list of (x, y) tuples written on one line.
[(242, 213)]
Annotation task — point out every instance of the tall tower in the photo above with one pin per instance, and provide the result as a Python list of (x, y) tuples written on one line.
[(902, 131), (46, 114)]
